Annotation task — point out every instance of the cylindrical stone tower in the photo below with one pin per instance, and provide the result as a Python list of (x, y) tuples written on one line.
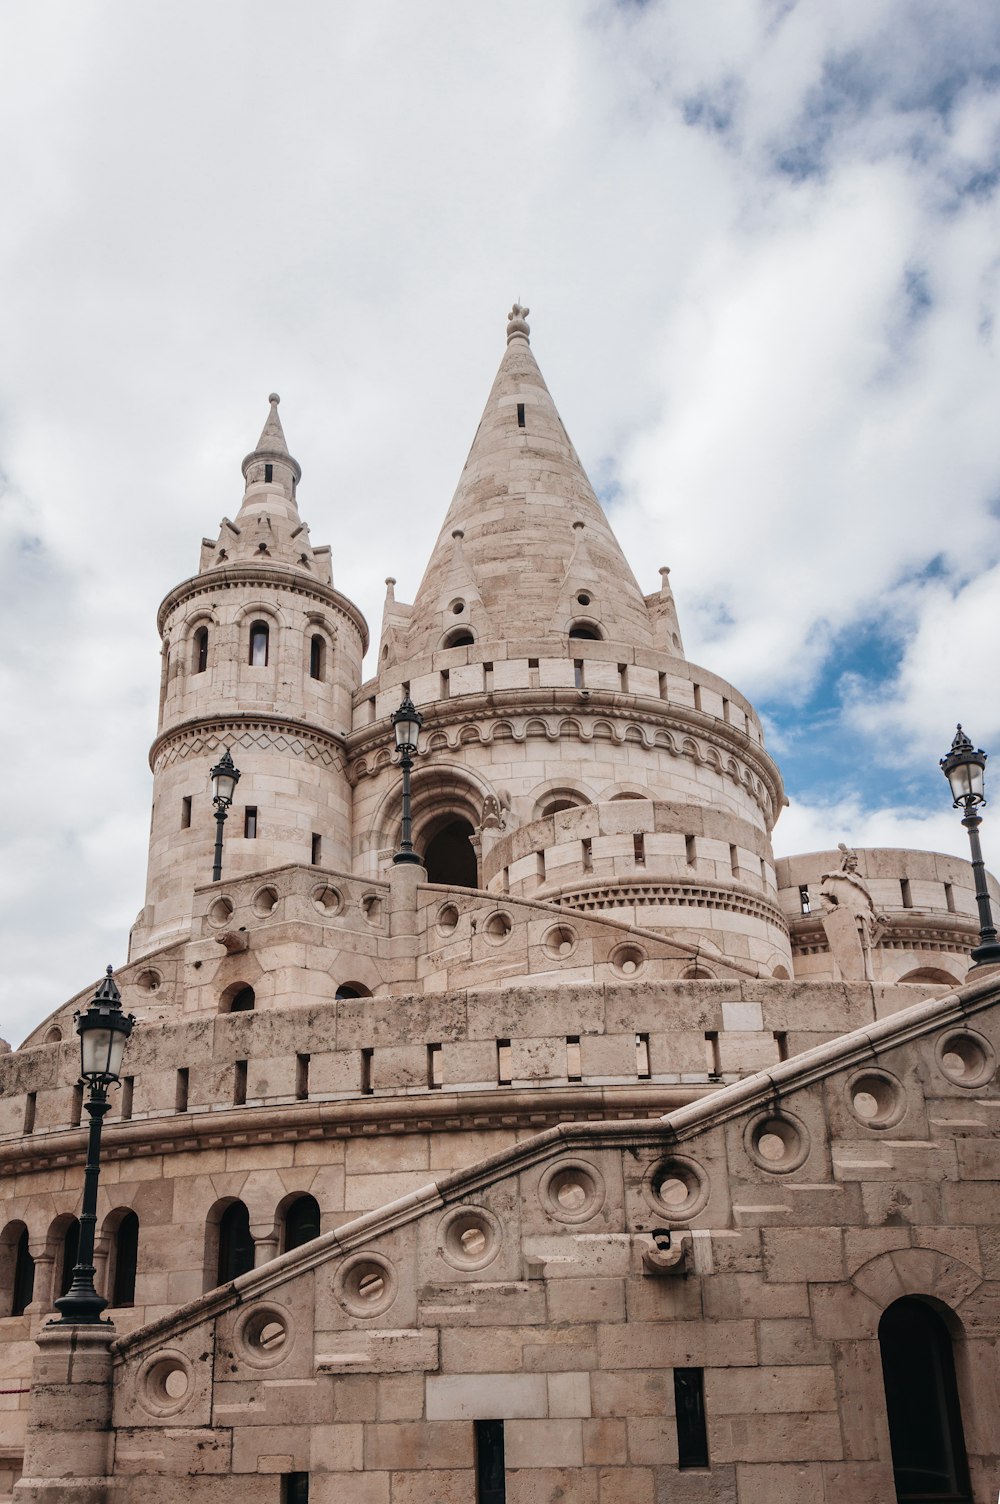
[(261, 655)]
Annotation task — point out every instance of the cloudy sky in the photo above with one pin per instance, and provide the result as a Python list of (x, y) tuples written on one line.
[(761, 244)]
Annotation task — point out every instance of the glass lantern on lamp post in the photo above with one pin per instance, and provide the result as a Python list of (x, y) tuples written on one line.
[(406, 724), (225, 776), (965, 768), (104, 1030)]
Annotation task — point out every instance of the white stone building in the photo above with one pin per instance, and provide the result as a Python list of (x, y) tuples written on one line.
[(598, 1156)]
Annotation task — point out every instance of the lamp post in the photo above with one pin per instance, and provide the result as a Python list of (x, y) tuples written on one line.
[(225, 776), (964, 767), (103, 1031), (406, 723)]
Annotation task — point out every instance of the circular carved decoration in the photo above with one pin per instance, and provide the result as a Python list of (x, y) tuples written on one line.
[(469, 1237), (164, 1382), (559, 942), (366, 1284), (777, 1142), (327, 900), (264, 1335), (264, 902), (572, 1190), (447, 919), (628, 961), (677, 1187), (498, 927), (966, 1058), (220, 911), (876, 1098)]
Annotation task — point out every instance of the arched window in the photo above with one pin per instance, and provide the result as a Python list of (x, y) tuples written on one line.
[(18, 1269), (458, 637), (449, 857), (240, 1000), (557, 805), (126, 1254), (300, 1224), (317, 656), (236, 1251), (351, 989), (259, 636), (199, 661), (921, 1396), (69, 1253), (586, 630)]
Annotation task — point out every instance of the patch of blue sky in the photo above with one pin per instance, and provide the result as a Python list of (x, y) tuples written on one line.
[(715, 109), (821, 754)]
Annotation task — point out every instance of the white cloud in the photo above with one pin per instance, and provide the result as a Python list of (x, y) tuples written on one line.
[(340, 202)]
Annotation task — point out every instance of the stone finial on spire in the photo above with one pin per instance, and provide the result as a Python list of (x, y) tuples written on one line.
[(517, 323)]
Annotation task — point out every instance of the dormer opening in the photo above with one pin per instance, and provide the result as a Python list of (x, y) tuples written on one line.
[(259, 642), (458, 637), (589, 631)]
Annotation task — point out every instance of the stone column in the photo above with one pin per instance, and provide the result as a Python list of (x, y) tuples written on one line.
[(67, 1450), (404, 938)]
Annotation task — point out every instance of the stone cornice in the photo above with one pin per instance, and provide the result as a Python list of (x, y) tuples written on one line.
[(640, 893), (240, 722), (360, 1117), (369, 747), (271, 576)]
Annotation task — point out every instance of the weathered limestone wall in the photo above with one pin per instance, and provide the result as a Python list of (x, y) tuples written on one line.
[(528, 1288)]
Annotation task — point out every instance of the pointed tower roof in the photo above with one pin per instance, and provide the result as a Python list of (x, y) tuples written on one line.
[(518, 508), (271, 444)]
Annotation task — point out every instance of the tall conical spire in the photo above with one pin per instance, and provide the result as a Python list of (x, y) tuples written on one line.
[(271, 447), (518, 506)]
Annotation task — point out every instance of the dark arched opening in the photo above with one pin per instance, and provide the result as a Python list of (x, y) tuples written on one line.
[(236, 1251), (921, 1396), (200, 662), (126, 1258), (450, 858), (259, 642), (70, 1253), (243, 1000), (300, 1223), (351, 989), (458, 637), (22, 1276), (585, 631)]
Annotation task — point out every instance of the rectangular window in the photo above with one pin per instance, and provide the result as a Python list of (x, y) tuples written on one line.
[(301, 1078), (520, 415), (29, 1111), (690, 850), (904, 889), (181, 1090), (487, 678), (445, 683), (505, 1064), (128, 1091), (268, 473), (578, 673), (491, 1486), (588, 853), (372, 716), (689, 1407), (574, 1066), (713, 1058), (734, 861), (663, 686), (367, 1072), (639, 850), (239, 1083), (697, 696), (642, 1057), (805, 902), (540, 866), (76, 1108), (435, 1074), (317, 849), (506, 879), (250, 822), (295, 1488), (781, 1041), (949, 898), (623, 678), (405, 687), (726, 712), (532, 673), (186, 812)]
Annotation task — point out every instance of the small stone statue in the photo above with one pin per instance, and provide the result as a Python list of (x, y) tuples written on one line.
[(493, 814), (848, 858)]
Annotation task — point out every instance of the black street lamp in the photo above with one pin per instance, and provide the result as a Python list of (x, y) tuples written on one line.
[(406, 723), (103, 1031), (964, 767), (225, 776)]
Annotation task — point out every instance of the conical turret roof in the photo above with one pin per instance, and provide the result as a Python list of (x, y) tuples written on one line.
[(525, 511)]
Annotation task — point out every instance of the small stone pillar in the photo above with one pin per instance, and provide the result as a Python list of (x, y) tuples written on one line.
[(67, 1450), (404, 940)]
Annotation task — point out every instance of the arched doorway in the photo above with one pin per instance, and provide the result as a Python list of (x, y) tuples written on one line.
[(921, 1396), (449, 856)]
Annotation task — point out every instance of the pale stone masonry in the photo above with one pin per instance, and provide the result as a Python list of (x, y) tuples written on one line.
[(617, 1131)]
